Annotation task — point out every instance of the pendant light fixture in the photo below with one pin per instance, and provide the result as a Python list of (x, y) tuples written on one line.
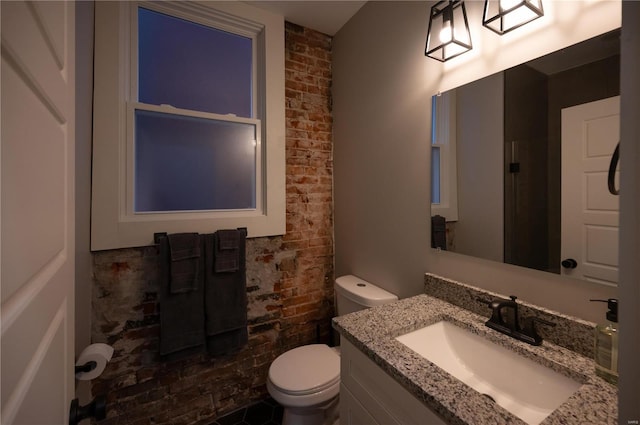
[(448, 35), (502, 16)]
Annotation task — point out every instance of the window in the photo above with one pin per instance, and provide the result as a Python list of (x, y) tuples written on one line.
[(182, 138), (192, 66), (185, 163), (444, 196)]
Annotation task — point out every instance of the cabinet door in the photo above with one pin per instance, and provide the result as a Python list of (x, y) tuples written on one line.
[(371, 391), (352, 412)]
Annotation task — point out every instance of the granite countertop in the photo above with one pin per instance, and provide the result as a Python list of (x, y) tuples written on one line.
[(373, 331)]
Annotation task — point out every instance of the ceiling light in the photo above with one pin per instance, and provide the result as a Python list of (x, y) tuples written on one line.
[(448, 35), (502, 16)]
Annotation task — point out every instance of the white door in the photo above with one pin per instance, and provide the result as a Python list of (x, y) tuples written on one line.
[(37, 212), (590, 133)]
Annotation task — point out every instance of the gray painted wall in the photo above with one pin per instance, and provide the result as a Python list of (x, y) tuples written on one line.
[(84, 108), (381, 110), (629, 402)]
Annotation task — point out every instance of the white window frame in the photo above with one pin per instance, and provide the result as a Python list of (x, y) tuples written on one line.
[(132, 215), (115, 224), (444, 137)]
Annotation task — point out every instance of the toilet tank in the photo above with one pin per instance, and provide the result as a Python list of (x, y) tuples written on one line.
[(354, 294)]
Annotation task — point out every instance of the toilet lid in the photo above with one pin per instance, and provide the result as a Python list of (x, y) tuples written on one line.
[(305, 369)]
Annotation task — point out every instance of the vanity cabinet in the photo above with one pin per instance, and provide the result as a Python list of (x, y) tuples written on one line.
[(369, 396)]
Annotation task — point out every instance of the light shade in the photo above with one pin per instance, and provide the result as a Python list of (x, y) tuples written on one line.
[(502, 16), (448, 35)]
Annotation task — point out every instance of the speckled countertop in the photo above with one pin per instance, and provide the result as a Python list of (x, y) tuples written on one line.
[(373, 331)]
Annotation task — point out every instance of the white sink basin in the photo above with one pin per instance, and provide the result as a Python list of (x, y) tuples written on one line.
[(523, 387)]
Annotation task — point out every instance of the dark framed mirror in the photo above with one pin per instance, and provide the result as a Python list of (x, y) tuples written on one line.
[(520, 161)]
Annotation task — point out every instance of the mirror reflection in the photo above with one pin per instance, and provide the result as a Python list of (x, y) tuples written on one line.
[(520, 162)]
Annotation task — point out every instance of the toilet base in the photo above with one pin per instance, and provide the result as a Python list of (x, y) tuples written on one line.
[(320, 415)]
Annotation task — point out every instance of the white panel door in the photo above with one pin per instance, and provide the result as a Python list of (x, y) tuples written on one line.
[(37, 212), (590, 214)]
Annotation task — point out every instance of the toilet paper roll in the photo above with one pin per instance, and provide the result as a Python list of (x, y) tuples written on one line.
[(99, 353)]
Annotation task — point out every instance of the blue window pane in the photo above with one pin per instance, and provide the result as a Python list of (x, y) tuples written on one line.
[(185, 163), (434, 119), (435, 175), (192, 66)]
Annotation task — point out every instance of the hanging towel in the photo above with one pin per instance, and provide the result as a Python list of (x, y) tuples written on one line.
[(182, 329), (227, 251), (226, 343), (185, 259), (225, 297), (439, 232)]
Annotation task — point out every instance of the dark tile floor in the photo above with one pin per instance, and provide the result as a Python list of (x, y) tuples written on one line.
[(266, 412)]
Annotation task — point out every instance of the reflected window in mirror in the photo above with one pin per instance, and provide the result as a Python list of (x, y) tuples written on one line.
[(444, 196)]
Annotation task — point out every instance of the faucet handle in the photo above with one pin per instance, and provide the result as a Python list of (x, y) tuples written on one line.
[(494, 303), (484, 301), (529, 328), (530, 321)]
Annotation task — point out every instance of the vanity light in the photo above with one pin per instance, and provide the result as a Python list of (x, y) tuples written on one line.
[(448, 35), (502, 16)]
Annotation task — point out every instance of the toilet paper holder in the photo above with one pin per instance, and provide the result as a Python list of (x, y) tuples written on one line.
[(87, 367), (92, 361)]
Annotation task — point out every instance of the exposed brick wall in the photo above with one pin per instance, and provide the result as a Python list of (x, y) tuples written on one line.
[(289, 279)]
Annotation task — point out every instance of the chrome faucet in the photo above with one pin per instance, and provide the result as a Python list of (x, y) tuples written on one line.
[(504, 319)]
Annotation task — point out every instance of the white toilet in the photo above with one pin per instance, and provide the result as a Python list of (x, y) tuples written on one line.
[(306, 380)]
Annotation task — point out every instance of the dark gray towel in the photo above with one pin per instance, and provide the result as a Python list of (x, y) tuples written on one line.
[(438, 232), (226, 343), (181, 314), (227, 252), (225, 300), (185, 259), (228, 239)]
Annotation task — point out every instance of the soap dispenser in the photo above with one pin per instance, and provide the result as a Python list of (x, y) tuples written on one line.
[(606, 343)]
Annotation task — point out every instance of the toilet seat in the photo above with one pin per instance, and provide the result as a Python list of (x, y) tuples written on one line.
[(306, 370)]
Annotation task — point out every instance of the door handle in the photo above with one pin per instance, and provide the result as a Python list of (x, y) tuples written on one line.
[(96, 409), (611, 178), (569, 263)]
